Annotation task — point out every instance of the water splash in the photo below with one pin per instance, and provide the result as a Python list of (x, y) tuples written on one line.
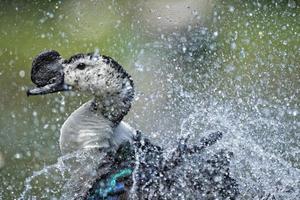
[(58, 181), (46, 171), (261, 173)]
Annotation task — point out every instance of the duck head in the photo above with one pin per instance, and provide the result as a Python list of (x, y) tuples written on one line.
[(99, 75), (96, 74)]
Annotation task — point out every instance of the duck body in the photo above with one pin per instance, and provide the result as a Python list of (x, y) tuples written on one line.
[(112, 148)]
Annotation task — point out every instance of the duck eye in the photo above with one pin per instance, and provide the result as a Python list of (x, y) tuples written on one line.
[(52, 80), (81, 66)]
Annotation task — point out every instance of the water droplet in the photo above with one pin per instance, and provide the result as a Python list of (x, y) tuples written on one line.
[(22, 73), (233, 45), (18, 155), (284, 42), (292, 4), (231, 9), (294, 113), (50, 15), (139, 67), (46, 126), (34, 113), (242, 53)]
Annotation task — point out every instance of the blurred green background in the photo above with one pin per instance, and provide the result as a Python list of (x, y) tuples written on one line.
[(245, 49)]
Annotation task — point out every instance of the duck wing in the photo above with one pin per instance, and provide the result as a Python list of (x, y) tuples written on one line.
[(153, 176)]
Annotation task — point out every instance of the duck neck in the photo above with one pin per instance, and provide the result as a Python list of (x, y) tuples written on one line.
[(113, 99), (111, 108)]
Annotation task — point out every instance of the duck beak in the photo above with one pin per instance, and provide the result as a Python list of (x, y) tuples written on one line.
[(47, 74), (50, 88)]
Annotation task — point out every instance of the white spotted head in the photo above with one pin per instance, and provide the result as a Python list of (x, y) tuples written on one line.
[(99, 75)]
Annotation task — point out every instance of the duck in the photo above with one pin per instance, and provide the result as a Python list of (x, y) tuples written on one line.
[(97, 127)]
